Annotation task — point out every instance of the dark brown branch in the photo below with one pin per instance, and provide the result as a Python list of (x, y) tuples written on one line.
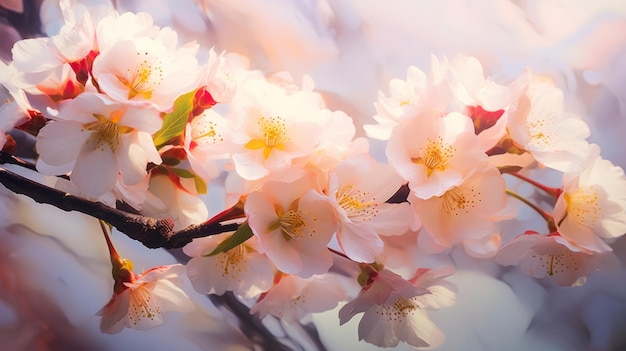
[(151, 232)]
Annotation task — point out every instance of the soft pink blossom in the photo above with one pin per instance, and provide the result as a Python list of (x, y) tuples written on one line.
[(538, 122), (435, 153), (393, 313), (294, 224), (242, 269), (550, 255), (293, 298), (140, 302), (358, 189), (467, 211), (592, 206), (97, 140)]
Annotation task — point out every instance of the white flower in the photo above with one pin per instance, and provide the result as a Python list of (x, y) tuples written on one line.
[(537, 121), (292, 297), (140, 302), (97, 139), (358, 189), (592, 206), (242, 269)]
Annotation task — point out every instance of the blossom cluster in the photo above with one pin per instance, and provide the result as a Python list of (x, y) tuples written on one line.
[(132, 116)]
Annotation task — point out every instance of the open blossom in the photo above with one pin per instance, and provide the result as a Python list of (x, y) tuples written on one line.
[(550, 255), (97, 140), (272, 127), (242, 269), (537, 122), (45, 64), (592, 206), (294, 224), (435, 153), (206, 139), (467, 211), (292, 297), (142, 300), (481, 99), (409, 98), (358, 189), (145, 69), (392, 312)]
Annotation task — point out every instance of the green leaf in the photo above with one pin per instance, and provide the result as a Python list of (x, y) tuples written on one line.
[(242, 234), (201, 186), (175, 121)]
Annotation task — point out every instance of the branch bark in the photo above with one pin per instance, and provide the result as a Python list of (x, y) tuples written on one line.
[(151, 232)]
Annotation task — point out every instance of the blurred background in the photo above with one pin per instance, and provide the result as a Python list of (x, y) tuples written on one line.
[(54, 272)]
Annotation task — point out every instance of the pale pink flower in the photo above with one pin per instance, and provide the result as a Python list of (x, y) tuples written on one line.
[(467, 211), (170, 196), (358, 189), (417, 94), (242, 269), (140, 302), (435, 153), (272, 127), (552, 255), (538, 122), (480, 98), (294, 224), (46, 64), (207, 138), (97, 139), (392, 312), (441, 293), (592, 206), (220, 76), (145, 70), (293, 298)]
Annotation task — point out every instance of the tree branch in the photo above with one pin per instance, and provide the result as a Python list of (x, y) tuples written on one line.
[(151, 232)]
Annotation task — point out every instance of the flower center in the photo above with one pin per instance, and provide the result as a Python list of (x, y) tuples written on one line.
[(106, 131), (232, 261), (459, 199), (145, 79), (434, 155), (354, 205), (273, 135), (291, 224), (142, 305), (584, 206)]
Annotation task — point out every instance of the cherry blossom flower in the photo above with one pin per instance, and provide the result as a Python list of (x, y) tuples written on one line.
[(272, 128), (552, 255), (482, 99), (220, 76), (592, 206), (467, 211), (293, 298), (417, 94), (293, 223), (141, 301), (392, 312), (97, 139), (537, 122), (242, 269), (54, 65), (207, 139), (358, 189), (435, 153), (144, 69)]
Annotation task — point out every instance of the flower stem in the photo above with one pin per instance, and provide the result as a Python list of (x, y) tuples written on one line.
[(545, 215), (554, 192)]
